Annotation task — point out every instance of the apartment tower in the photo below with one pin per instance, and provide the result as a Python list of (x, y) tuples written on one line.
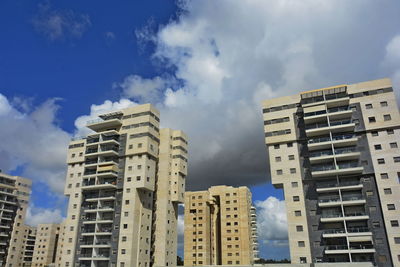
[(47, 242), (334, 152), (14, 197), (124, 182), (29, 245), (219, 227)]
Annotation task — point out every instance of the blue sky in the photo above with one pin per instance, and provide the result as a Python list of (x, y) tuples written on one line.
[(206, 66)]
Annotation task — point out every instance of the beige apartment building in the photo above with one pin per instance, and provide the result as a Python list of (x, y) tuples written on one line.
[(124, 183), (14, 197), (334, 151), (29, 245), (219, 227), (46, 244)]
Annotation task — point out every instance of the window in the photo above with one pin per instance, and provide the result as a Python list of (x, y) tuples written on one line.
[(378, 147), (384, 176), (278, 159), (299, 228), (125, 226), (291, 157), (290, 144), (387, 117), (374, 133), (130, 147), (381, 161), (301, 244), (396, 159), (295, 184), (297, 213), (292, 170), (371, 119), (372, 208), (279, 172), (390, 131), (387, 191), (384, 104), (303, 260), (137, 178), (391, 207), (296, 198), (368, 106), (397, 240), (393, 145), (276, 146), (394, 223)]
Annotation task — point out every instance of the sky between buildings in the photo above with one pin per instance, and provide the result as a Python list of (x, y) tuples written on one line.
[(206, 65)]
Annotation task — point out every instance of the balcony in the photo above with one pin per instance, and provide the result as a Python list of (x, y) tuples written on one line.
[(340, 249), (332, 186), (91, 185), (101, 124), (338, 217), (346, 168), (325, 142), (348, 200)]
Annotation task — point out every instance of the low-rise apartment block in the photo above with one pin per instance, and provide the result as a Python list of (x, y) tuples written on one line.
[(220, 227), (334, 151)]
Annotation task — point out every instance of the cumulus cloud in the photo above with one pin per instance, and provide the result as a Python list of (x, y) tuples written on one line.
[(272, 221), (228, 57), (34, 141), (145, 90), (36, 215), (60, 24)]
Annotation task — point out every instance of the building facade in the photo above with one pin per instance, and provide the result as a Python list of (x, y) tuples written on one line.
[(14, 197), (29, 246), (47, 242), (124, 182), (219, 227), (334, 151)]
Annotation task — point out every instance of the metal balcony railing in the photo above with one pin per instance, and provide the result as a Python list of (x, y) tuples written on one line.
[(331, 215), (319, 140), (321, 153), (338, 109), (348, 165), (334, 231), (358, 230), (316, 125), (336, 247), (352, 197), (343, 137), (333, 184)]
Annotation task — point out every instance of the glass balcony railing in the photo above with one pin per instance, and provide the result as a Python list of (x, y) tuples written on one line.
[(358, 230), (343, 137), (334, 231), (327, 200), (321, 153), (333, 184), (352, 197), (361, 246), (345, 150), (354, 214), (336, 247), (309, 114), (331, 215), (316, 125), (348, 165), (336, 123), (319, 168), (338, 109), (319, 140)]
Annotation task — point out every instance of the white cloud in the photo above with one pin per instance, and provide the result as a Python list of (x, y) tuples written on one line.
[(60, 24), (34, 141), (145, 90), (271, 220), (229, 56), (36, 215), (391, 63)]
